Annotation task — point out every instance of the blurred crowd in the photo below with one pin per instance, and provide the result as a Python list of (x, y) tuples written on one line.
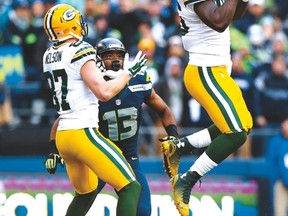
[(258, 47)]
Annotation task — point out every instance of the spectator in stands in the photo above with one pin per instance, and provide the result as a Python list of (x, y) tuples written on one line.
[(163, 25), (148, 46), (282, 7), (255, 11), (279, 44), (271, 94), (38, 11), (21, 32), (96, 17), (101, 30), (127, 18), (5, 7), (175, 48), (260, 48), (277, 154), (243, 79), (271, 100), (42, 109), (170, 86)]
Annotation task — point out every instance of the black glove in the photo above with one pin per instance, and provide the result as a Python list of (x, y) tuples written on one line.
[(53, 159), (168, 138)]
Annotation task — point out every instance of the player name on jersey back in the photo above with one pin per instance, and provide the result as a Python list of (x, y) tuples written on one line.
[(53, 57)]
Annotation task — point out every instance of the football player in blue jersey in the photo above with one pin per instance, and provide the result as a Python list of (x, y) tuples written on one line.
[(119, 118)]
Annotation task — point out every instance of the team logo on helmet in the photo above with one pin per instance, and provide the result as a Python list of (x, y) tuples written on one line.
[(69, 15)]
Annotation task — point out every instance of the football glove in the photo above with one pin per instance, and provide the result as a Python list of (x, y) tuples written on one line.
[(136, 65), (167, 138), (53, 159)]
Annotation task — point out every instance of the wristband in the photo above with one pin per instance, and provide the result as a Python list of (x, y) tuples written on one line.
[(245, 1), (172, 130), (53, 148)]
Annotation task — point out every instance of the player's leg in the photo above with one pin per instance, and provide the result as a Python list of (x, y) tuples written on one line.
[(221, 97), (144, 203), (174, 148), (121, 175), (218, 93), (82, 178), (106, 160), (81, 203)]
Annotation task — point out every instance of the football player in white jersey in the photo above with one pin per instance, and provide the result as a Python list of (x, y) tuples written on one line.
[(205, 35), (119, 117), (77, 85)]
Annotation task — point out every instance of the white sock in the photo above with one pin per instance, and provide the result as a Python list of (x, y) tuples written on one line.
[(203, 164), (200, 139)]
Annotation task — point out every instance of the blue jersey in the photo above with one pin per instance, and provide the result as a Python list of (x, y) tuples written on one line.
[(119, 118)]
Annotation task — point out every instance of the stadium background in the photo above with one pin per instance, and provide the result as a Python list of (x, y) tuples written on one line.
[(237, 186)]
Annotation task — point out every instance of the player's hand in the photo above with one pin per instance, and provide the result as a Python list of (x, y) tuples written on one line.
[(53, 159), (100, 64), (51, 162), (136, 65)]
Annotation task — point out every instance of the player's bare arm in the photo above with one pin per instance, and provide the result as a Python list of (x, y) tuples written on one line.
[(240, 9), (104, 90), (54, 129), (217, 18), (156, 103)]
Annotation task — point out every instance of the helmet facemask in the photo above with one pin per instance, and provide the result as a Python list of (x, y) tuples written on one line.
[(111, 52)]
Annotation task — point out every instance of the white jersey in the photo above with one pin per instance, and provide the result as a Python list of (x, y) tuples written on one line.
[(74, 101), (206, 46)]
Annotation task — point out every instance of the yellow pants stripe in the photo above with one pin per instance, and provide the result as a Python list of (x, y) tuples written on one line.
[(220, 96), (112, 151)]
